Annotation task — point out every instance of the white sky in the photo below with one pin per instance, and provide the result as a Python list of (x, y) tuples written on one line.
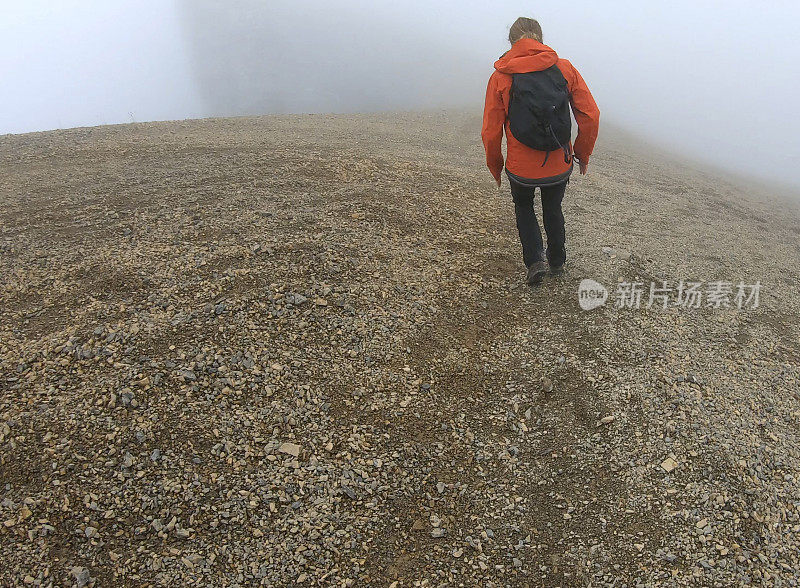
[(77, 63), (718, 80)]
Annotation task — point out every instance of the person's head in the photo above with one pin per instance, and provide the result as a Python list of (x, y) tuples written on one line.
[(525, 28)]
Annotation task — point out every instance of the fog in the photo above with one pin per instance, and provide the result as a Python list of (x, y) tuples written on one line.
[(715, 81)]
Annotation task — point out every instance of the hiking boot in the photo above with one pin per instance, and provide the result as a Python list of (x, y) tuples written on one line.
[(536, 272), (556, 269)]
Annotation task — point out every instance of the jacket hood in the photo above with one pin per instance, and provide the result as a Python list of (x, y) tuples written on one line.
[(526, 55)]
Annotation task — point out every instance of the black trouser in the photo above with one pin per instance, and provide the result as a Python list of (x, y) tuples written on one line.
[(528, 224)]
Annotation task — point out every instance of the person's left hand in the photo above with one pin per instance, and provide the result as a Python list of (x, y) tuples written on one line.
[(498, 182)]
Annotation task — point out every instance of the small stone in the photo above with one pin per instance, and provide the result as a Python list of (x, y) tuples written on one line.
[(547, 385), (669, 464), (195, 558), (605, 420), (290, 449), (438, 532), (81, 576)]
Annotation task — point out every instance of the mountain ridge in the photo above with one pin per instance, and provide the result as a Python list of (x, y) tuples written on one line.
[(300, 349)]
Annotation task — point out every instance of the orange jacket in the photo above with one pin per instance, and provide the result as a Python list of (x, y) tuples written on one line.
[(528, 55)]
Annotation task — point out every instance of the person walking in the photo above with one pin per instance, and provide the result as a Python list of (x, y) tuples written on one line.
[(529, 96)]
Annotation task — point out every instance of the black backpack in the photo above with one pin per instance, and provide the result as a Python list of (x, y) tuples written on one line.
[(538, 111)]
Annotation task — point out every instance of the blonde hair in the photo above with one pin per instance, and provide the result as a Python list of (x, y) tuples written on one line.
[(525, 28)]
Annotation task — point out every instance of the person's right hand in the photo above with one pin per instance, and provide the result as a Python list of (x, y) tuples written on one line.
[(583, 167)]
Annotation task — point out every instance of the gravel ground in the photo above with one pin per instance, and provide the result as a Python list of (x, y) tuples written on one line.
[(299, 351)]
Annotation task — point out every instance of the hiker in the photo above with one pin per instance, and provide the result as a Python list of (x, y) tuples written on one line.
[(529, 96)]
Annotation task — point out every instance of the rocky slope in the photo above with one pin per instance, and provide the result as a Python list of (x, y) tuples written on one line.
[(298, 350)]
